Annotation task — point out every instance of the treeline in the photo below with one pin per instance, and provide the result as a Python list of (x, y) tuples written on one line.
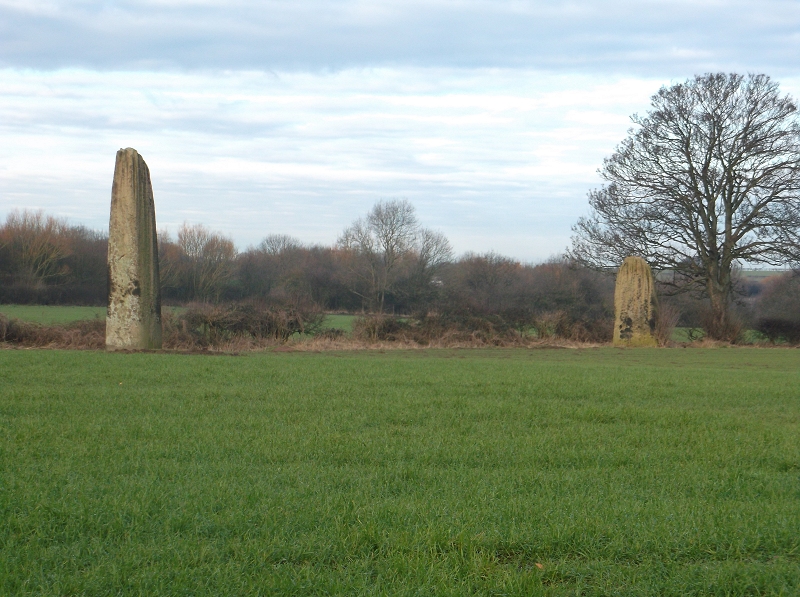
[(43, 260), (384, 263)]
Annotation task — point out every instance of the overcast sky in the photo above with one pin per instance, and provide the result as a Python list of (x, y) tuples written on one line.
[(294, 117)]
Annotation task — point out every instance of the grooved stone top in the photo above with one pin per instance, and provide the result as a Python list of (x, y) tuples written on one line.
[(134, 289), (634, 304)]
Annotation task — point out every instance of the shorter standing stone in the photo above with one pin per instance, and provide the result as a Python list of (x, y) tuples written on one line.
[(134, 288), (634, 304)]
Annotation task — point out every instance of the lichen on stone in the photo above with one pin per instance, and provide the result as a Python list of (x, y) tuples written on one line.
[(134, 289), (635, 304)]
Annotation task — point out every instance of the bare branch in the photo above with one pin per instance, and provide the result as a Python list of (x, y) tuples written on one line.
[(709, 178)]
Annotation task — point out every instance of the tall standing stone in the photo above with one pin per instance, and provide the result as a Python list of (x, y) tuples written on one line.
[(134, 289), (634, 304)]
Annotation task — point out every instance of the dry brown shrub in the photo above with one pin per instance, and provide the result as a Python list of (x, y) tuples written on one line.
[(89, 334), (727, 328), (85, 334), (449, 341), (371, 328), (463, 332), (778, 309), (597, 330), (176, 334), (667, 317), (433, 330), (256, 319), (776, 329), (4, 322), (546, 325), (706, 342), (246, 327), (331, 334), (249, 325)]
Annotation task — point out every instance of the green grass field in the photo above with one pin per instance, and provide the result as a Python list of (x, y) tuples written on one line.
[(49, 314), (340, 321), (497, 472)]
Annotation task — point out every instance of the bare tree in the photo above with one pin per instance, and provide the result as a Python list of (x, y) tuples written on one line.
[(40, 243), (379, 242), (486, 283), (210, 259), (387, 243), (709, 178), (434, 250), (275, 244), (171, 262)]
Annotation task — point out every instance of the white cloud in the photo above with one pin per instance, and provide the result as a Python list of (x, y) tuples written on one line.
[(655, 38), (252, 153), (296, 115)]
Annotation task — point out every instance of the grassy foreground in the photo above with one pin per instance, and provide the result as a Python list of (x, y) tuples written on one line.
[(502, 472)]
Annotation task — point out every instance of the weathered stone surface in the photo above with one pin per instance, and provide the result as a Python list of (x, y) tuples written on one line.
[(634, 304), (134, 289)]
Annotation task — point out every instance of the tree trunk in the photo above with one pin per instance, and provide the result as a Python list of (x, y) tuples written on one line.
[(719, 324)]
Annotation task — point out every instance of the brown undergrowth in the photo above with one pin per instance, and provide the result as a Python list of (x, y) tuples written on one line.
[(90, 334), (483, 330), (214, 331), (323, 344), (179, 336)]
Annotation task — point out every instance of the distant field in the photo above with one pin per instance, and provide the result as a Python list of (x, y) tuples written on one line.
[(48, 314), (495, 472), (762, 274), (342, 322)]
